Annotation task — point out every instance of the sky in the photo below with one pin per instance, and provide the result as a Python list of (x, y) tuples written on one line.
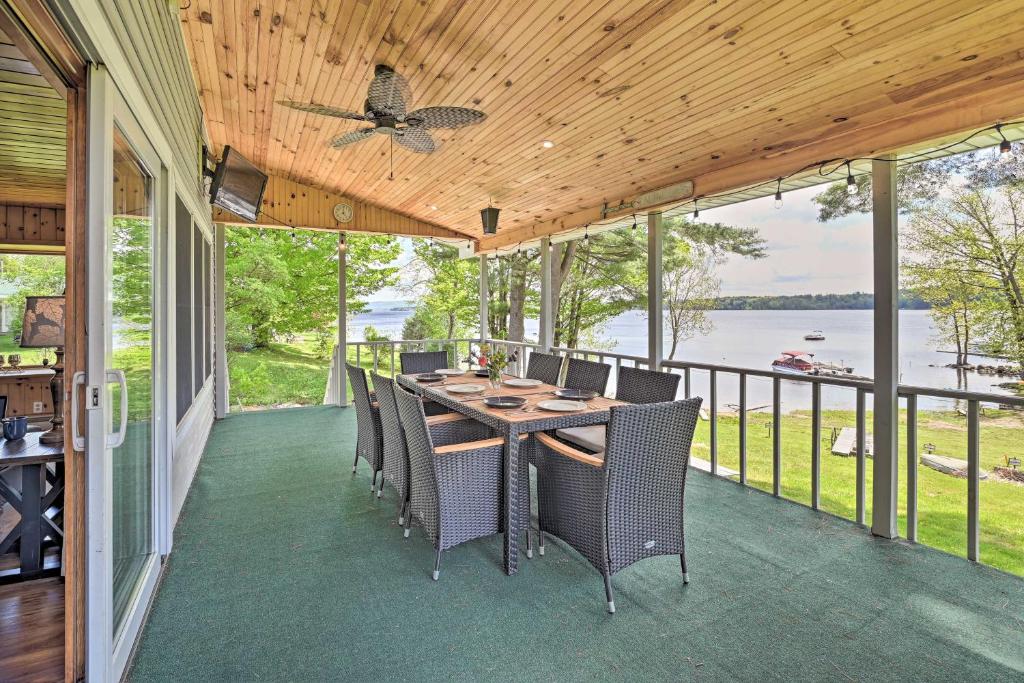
[(804, 256)]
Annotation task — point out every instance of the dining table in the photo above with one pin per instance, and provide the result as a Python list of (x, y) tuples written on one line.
[(32, 482), (511, 424)]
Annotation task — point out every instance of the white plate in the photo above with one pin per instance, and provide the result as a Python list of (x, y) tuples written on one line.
[(465, 388), (562, 406), (451, 372), (515, 382)]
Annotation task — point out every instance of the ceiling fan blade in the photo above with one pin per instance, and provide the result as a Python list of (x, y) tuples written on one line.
[(322, 110), (388, 91), (444, 117), (349, 138), (416, 139)]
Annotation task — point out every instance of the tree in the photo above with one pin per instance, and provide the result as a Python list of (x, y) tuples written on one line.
[(281, 283), (449, 302), (917, 185), (29, 275), (692, 252)]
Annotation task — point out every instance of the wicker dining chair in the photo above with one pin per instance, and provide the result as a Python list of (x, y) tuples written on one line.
[(546, 367), (633, 386), (444, 429), (415, 362), (625, 504), (587, 375), (369, 437), (455, 491)]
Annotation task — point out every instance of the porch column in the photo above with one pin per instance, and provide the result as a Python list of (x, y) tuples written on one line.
[(342, 355), (547, 332), (655, 328), (221, 404), (885, 460), (484, 295)]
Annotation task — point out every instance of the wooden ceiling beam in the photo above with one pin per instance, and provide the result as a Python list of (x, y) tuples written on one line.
[(288, 204), (1000, 102)]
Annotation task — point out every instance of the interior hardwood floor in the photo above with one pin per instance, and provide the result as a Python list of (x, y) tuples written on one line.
[(32, 631)]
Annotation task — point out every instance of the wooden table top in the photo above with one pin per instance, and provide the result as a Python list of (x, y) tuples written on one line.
[(29, 451), (529, 412)]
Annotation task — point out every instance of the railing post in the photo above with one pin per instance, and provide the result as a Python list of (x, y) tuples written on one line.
[(973, 477), (743, 428), (815, 445), (776, 436), (547, 330), (861, 439), (340, 374), (885, 456), (713, 420), (484, 296), (912, 468), (222, 402), (655, 328)]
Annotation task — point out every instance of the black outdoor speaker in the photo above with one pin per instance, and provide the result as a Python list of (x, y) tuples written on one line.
[(489, 217)]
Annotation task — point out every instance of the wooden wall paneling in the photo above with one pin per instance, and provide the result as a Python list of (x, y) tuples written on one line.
[(31, 227)]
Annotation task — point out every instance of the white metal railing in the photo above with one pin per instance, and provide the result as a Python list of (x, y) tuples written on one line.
[(863, 388)]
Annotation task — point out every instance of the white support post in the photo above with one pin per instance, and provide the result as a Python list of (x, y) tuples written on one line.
[(655, 328), (885, 462), (221, 403), (342, 355), (484, 295), (547, 328)]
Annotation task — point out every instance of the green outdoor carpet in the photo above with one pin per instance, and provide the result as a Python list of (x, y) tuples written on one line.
[(286, 569)]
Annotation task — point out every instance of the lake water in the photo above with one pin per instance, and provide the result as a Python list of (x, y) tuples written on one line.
[(754, 338)]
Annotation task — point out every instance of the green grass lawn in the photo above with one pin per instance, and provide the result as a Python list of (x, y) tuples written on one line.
[(942, 499), (28, 356), (292, 374)]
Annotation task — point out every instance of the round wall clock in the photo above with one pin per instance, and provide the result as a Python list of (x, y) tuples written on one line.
[(342, 212)]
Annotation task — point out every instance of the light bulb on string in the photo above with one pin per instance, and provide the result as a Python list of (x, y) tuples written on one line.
[(634, 223), (778, 195), (851, 182), (1004, 145), (586, 233), (696, 209)]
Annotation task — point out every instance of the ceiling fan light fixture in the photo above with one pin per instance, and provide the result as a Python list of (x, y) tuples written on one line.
[(489, 218)]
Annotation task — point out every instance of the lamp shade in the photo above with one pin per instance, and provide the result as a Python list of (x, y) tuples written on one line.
[(489, 217), (43, 325)]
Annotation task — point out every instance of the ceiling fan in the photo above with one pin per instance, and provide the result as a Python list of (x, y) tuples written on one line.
[(386, 108)]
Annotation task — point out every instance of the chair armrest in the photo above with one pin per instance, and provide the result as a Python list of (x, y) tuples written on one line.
[(568, 451), (445, 417), (473, 445)]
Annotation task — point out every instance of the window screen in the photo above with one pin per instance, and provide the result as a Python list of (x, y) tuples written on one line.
[(207, 317), (198, 326), (183, 307)]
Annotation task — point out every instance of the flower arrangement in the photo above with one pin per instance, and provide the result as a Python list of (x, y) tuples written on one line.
[(494, 360)]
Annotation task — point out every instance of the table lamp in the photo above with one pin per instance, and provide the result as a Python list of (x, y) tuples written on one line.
[(43, 328)]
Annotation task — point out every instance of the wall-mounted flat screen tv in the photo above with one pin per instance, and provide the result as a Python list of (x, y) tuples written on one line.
[(238, 185)]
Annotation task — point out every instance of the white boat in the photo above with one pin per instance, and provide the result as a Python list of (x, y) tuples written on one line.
[(816, 335)]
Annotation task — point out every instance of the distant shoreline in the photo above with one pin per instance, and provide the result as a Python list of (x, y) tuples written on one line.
[(855, 301)]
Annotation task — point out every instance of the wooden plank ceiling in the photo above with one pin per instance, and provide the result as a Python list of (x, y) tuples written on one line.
[(33, 131), (635, 94)]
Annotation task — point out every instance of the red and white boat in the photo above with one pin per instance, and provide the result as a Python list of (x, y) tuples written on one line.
[(795, 363)]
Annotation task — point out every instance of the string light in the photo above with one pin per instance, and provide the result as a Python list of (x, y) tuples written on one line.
[(634, 222), (827, 167), (586, 233), (851, 182)]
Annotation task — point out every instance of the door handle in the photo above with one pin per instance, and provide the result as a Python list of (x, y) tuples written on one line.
[(117, 438), (77, 438)]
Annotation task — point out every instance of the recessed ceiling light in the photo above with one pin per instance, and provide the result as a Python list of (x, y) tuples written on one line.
[(547, 144), (433, 208)]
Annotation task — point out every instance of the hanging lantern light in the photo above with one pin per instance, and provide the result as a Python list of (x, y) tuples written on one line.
[(489, 218)]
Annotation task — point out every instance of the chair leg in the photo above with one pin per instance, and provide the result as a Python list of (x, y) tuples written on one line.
[(682, 564), (529, 543), (540, 542), (373, 482), (608, 593), (355, 464), (408, 521), (401, 513), (437, 565), (380, 489)]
